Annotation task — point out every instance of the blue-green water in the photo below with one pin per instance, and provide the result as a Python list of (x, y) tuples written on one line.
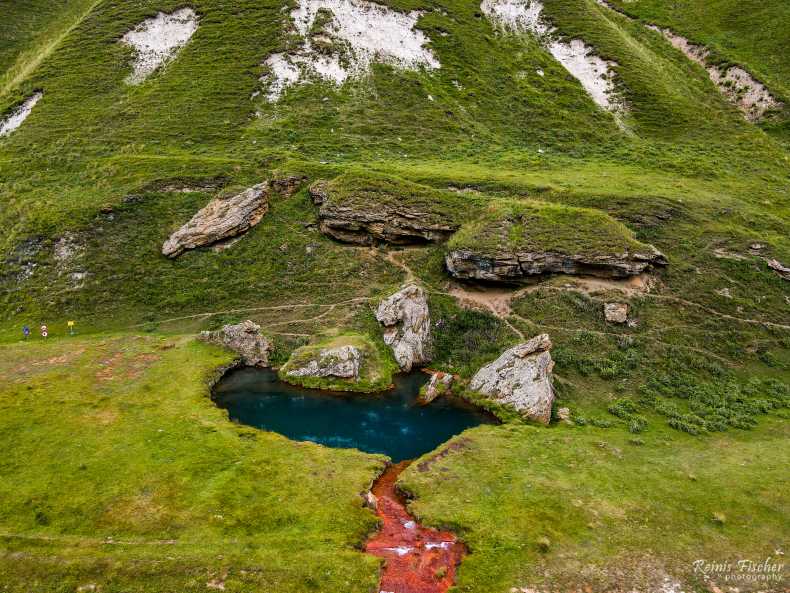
[(392, 423)]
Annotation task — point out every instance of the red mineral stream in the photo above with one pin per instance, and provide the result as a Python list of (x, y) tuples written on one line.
[(418, 559)]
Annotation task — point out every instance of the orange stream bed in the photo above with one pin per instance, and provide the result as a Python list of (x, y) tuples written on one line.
[(418, 559)]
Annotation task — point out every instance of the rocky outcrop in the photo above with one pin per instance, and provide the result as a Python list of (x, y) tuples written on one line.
[(245, 339), (407, 326), (521, 378), (615, 312), (438, 384), (372, 223), (777, 267), (221, 220), (342, 362), (513, 266)]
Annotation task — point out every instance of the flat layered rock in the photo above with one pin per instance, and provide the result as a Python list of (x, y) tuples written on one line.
[(407, 326), (514, 240), (245, 339), (399, 214), (521, 378), (466, 264), (222, 219)]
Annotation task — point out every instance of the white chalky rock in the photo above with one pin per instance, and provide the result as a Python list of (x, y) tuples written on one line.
[(595, 74), (353, 34), (19, 115), (735, 83), (157, 40), (407, 325)]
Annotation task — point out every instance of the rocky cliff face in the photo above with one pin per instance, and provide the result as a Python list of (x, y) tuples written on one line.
[(221, 220), (512, 266), (245, 339), (521, 378), (342, 362), (407, 326), (369, 224)]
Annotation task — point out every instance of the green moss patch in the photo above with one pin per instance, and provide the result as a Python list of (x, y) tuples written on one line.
[(375, 373)]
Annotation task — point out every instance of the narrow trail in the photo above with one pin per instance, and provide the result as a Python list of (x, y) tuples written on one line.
[(330, 306), (392, 257), (417, 559)]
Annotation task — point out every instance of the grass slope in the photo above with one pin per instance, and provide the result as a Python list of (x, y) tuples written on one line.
[(101, 173), (124, 475), (551, 509)]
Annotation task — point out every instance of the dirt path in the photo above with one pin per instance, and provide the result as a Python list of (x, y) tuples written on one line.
[(330, 306), (496, 300), (417, 559), (393, 257)]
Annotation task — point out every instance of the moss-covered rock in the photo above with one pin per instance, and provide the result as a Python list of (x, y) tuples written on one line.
[(516, 239), (349, 362), (367, 209)]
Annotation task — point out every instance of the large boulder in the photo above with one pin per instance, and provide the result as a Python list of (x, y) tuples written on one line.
[(521, 378), (222, 219), (342, 362), (245, 339), (407, 326), (353, 211)]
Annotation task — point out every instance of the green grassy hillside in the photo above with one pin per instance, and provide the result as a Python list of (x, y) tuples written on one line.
[(102, 172)]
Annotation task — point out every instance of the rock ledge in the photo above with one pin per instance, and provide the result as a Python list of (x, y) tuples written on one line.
[(513, 266), (369, 224)]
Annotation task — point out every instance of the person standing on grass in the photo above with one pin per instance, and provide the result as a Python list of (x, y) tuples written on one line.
[(26, 331)]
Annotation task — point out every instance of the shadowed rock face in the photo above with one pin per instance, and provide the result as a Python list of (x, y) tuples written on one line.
[(407, 326), (521, 378), (244, 338), (220, 220), (370, 224), (513, 266)]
